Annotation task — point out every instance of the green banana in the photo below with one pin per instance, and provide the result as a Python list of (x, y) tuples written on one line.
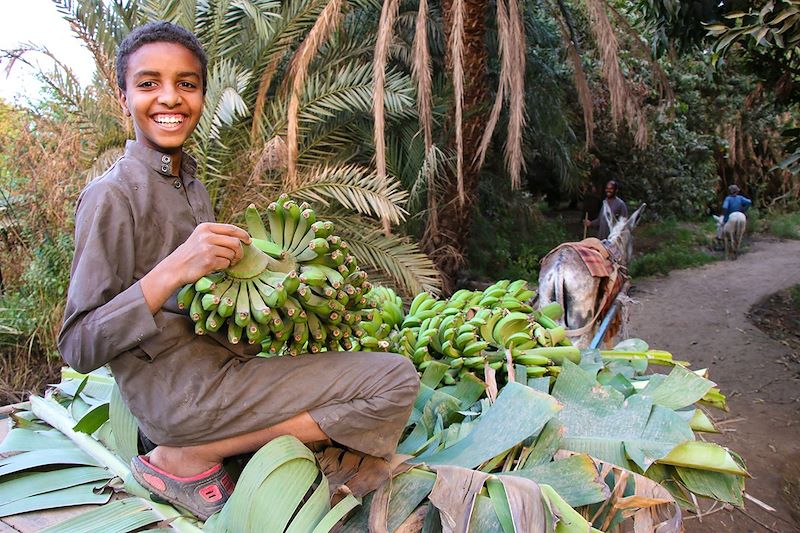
[(275, 218), (185, 296), (255, 226)]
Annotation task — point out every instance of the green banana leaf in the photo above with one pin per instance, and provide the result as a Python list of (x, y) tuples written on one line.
[(727, 488), (679, 389), (26, 440), (280, 473), (77, 495), (519, 412), (601, 422), (38, 458), (32, 483), (120, 516), (574, 478), (124, 427)]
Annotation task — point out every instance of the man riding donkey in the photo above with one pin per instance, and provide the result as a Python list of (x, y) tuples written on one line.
[(586, 277), (733, 222)]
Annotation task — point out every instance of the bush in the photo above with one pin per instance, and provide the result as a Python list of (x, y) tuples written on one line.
[(784, 225), (675, 245)]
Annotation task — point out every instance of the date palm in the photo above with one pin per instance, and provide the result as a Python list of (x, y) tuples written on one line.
[(269, 82)]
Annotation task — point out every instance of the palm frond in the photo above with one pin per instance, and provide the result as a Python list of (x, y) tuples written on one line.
[(101, 29), (457, 52), (399, 258), (355, 188), (388, 14), (327, 21), (516, 93), (180, 12), (624, 106), (103, 162), (421, 71)]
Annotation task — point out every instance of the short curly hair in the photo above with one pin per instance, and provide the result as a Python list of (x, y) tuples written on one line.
[(159, 32)]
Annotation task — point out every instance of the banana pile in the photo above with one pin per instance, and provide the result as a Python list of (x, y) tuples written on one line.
[(296, 289), (495, 330)]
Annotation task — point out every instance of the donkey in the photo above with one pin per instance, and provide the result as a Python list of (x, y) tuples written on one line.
[(731, 232), (565, 278)]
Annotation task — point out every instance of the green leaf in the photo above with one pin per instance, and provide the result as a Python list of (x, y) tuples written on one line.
[(120, 516), (280, 473), (124, 427), (37, 458), (601, 422), (546, 445), (518, 413), (679, 389), (574, 478), (91, 421), (25, 440), (337, 513), (497, 494), (33, 483), (78, 495), (723, 487)]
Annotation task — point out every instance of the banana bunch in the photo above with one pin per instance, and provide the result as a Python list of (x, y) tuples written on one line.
[(297, 288), (475, 331), (388, 304)]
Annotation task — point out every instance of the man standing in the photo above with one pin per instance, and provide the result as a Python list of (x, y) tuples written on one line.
[(734, 203), (615, 206)]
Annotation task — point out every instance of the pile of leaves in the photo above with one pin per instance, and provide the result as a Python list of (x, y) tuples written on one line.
[(601, 443)]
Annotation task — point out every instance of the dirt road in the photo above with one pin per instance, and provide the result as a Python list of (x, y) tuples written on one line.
[(701, 315)]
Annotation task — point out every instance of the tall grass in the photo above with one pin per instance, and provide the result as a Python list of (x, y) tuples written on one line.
[(676, 245), (784, 225)]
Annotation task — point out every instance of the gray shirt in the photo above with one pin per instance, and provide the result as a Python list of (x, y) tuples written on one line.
[(617, 208), (127, 221)]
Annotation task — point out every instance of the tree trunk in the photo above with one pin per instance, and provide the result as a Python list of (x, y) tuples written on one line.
[(447, 246)]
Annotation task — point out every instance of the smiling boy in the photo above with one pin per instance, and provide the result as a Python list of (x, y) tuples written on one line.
[(146, 228)]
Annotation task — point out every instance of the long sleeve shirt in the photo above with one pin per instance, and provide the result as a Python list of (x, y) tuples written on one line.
[(617, 208), (128, 220), (734, 203)]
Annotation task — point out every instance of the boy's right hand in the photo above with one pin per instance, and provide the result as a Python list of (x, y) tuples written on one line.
[(210, 247)]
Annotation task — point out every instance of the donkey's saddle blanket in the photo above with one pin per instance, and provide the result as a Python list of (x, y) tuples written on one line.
[(603, 262)]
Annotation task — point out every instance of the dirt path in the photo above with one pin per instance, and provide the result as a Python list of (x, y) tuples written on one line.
[(701, 315)]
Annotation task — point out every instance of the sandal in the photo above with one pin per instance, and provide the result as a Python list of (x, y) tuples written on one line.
[(202, 495)]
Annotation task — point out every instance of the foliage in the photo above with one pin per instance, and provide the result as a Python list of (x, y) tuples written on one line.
[(794, 293), (676, 246), (784, 225), (510, 235)]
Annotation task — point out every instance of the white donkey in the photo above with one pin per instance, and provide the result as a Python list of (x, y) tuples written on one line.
[(565, 278), (731, 232)]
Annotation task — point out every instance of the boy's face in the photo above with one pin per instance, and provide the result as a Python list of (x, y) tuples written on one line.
[(164, 95)]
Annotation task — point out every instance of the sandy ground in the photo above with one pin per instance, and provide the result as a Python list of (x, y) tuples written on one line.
[(700, 315)]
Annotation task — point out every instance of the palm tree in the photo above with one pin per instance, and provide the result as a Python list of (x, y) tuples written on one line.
[(280, 73)]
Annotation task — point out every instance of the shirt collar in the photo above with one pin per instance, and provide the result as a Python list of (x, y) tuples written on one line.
[(160, 162)]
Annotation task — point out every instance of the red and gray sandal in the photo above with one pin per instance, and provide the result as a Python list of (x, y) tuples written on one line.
[(202, 495)]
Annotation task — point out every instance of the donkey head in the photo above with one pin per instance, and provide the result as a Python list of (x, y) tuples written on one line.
[(621, 233)]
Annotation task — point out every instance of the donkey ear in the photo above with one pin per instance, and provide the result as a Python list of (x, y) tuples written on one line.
[(635, 216)]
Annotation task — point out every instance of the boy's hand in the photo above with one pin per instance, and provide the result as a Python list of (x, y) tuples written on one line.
[(210, 247)]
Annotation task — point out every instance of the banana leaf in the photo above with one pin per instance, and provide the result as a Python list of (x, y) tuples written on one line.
[(546, 445), (39, 458), (574, 478), (26, 440), (704, 456), (601, 422), (519, 412), (120, 516), (77, 495), (723, 487), (124, 427), (679, 389), (32, 483)]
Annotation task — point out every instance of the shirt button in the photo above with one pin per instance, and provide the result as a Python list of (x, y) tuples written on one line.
[(165, 159), (177, 183), (164, 168)]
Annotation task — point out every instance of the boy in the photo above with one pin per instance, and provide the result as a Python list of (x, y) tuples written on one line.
[(144, 229)]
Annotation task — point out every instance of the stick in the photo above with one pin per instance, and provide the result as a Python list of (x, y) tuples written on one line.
[(585, 227)]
